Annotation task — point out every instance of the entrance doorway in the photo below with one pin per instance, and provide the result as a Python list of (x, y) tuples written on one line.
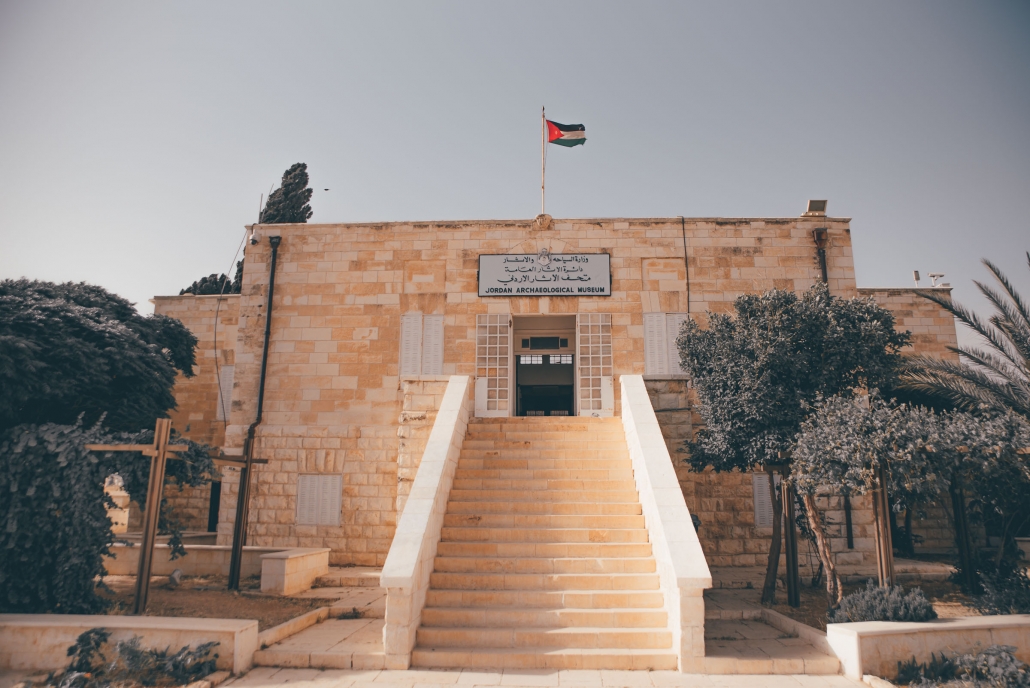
[(545, 365)]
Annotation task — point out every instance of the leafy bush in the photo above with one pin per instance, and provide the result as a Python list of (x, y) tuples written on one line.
[(72, 349), (216, 284), (132, 665), (1006, 590), (995, 667), (937, 670), (883, 604), (54, 529)]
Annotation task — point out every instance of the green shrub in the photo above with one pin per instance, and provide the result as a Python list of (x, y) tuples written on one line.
[(132, 665), (883, 604), (54, 530), (1006, 590), (995, 667)]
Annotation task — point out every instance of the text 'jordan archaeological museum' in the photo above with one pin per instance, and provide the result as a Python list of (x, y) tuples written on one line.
[(531, 341)]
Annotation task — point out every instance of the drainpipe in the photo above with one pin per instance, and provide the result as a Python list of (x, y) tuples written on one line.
[(239, 532), (821, 242), (686, 265)]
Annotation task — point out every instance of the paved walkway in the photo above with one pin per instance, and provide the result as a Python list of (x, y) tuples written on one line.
[(427, 678)]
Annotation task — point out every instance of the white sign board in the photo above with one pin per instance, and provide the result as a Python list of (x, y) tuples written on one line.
[(544, 274)]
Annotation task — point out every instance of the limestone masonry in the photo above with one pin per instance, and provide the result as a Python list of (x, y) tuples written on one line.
[(367, 319)]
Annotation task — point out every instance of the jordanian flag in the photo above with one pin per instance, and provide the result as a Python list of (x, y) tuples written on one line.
[(566, 134)]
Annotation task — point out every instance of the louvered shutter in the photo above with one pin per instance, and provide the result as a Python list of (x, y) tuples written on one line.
[(762, 500), (655, 358), (319, 499), (411, 344), (432, 345), (226, 374), (307, 499), (673, 323), (330, 488)]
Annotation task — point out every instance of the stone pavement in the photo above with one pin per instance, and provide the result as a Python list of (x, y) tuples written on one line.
[(262, 677)]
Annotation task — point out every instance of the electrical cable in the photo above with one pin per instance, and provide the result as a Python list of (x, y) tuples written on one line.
[(218, 305)]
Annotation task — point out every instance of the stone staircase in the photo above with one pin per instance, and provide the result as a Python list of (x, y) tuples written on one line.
[(544, 560)]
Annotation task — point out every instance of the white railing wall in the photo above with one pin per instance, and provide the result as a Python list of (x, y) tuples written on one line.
[(682, 568), (410, 560)]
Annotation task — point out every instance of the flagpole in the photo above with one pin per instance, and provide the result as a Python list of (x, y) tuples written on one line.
[(543, 144)]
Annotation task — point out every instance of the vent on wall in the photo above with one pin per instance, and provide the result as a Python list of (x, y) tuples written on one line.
[(318, 499)]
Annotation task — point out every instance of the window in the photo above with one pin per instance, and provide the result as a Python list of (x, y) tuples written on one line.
[(421, 345), (531, 359), (543, 343), (226, 373), (561, 359), (318, 499), (661, 356)]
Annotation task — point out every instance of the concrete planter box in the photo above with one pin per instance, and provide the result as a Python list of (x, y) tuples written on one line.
[(283, 571), (40, 642), (876, 647)]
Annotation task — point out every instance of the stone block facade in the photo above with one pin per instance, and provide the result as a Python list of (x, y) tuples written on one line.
[(213, 321), (336, 403)]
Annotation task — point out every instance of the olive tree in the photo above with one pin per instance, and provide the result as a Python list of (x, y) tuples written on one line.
[(757, 373)]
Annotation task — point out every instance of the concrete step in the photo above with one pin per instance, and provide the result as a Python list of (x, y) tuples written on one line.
[(496, 617), (580, 508), (544, 496), (514, 637), (541, 460), (543, 565), (543, 549), (543, 436), (531, 581), (543, 485), (497, 535), (350, 577), (622, 474), (552, 659), (609, 446), (542, 521), (548, 599)]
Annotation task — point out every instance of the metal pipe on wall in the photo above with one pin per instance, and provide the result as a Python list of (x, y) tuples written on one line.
[(239, 533)]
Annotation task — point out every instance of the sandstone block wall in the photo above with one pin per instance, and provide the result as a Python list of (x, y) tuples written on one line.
[(335, 402), (197, 397)]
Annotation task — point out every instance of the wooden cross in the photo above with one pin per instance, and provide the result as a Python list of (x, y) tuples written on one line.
[(158, 453)]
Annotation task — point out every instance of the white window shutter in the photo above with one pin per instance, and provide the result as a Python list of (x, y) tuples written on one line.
[(306, 499), (762, 499), (226, 374), (319, 499), (655, 357), (673, 323), (432, 345), (411, 344)]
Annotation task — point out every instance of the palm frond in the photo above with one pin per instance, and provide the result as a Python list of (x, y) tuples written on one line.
[(969, 319), (1011, 323), (966, 387), (998, 366), (1017, 300)]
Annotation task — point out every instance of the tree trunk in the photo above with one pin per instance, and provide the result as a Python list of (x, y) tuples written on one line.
[(769, 588), (834, 592), (910, 541), (970, 579), (882, 530)]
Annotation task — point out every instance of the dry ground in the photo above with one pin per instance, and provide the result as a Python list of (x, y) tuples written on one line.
[(207, 597)]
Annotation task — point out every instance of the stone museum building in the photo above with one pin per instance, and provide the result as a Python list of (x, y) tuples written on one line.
[(369, 320)]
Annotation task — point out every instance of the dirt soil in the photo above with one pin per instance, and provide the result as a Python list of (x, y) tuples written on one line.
[(208, 598), (947, 598)]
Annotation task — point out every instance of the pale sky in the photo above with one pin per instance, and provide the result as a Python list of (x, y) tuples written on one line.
[(136, 138)]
